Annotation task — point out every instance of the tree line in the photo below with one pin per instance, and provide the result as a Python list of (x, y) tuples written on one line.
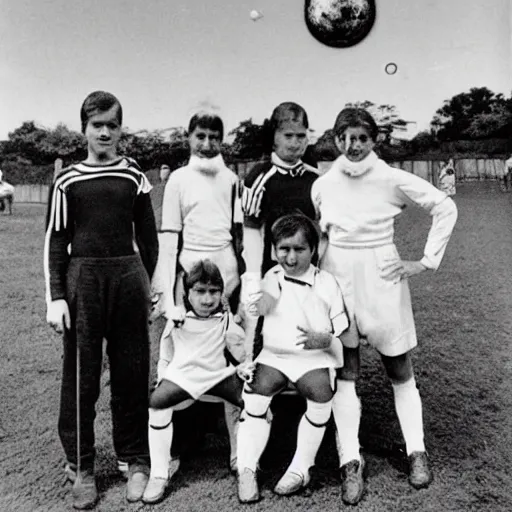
[(476, 123)]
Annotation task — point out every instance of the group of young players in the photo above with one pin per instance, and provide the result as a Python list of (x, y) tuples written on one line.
[(319, 272)]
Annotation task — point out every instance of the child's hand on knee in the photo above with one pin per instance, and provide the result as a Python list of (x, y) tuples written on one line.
[(245, 371), (312, 340)]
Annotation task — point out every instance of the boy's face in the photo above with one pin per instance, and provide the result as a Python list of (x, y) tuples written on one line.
[(204, 143), (355, 143), (103, 132), (204, 299), (294, 254), (290, 141)]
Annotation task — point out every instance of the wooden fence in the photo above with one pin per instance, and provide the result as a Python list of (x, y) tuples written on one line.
[(466, 169), (31, 193)]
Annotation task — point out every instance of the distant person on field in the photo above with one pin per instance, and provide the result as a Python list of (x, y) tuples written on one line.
[(357, 201), (446, 180), (6, 194), (507, 175), (98, 286)]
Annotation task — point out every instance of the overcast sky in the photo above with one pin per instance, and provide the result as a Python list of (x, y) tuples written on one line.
[(164, 58)]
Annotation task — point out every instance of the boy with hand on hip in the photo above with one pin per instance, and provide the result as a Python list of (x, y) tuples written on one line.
[(97, 286), (357, 201)]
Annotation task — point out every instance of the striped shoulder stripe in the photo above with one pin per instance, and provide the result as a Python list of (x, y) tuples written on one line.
[(124, 168), (252, 196)]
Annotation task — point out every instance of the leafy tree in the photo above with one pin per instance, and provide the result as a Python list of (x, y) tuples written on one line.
[(424, 141), (250, 140), (325, 149), (479, 113)]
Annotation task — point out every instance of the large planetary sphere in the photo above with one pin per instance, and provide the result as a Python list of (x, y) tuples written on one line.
[(339, 23)]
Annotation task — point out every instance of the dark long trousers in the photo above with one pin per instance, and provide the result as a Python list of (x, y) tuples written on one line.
[(108, 298)]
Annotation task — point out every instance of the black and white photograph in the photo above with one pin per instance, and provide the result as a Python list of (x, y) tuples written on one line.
[(256, 255)]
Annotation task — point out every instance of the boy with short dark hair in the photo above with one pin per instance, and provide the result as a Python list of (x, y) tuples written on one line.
[(97, 286), (304, 315)]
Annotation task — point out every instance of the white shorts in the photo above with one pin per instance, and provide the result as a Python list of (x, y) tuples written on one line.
[(380, 310), (225, 259), (294, 366), (198, 380)]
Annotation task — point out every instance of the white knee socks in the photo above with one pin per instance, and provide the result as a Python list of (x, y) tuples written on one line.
[(160, 433), (310, 434), (346, 409), (253, 431), (410, 415)]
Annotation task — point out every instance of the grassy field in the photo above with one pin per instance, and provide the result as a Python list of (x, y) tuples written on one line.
[(463, 366)]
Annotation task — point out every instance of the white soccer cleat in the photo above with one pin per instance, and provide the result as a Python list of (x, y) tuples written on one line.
[(291, 482), (155, 490), (248, 491)]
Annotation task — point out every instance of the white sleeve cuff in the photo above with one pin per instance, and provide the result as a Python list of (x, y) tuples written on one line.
[(427, 263)]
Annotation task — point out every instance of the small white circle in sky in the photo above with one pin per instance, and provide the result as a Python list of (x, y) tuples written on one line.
[(391, 68), (255, 15)]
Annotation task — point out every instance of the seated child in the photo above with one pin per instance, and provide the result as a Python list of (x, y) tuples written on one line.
[(303, 311), (204, 347)]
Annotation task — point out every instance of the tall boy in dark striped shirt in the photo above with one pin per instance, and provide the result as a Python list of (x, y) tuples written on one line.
[(97, 286)]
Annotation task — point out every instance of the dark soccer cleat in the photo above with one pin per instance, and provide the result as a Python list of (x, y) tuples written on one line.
[(85, 492), (352, 481), (420, 475), (138, 476)]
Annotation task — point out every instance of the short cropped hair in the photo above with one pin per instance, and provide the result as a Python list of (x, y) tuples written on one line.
[(289, 225), (207, 121), (286, 111), (96, 102), (352, 117)]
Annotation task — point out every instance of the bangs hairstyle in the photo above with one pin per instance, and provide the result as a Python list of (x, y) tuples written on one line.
[(287, 111), (96, 102), (289, 225), (207, 121), (355, 118), (204, 272)]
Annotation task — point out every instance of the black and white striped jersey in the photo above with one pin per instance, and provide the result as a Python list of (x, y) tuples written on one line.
[(98, 211)]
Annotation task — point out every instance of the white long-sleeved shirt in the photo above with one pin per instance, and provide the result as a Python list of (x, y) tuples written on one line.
[(359, 212)]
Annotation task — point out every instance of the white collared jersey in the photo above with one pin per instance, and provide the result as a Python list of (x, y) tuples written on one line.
[(313, 301)]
